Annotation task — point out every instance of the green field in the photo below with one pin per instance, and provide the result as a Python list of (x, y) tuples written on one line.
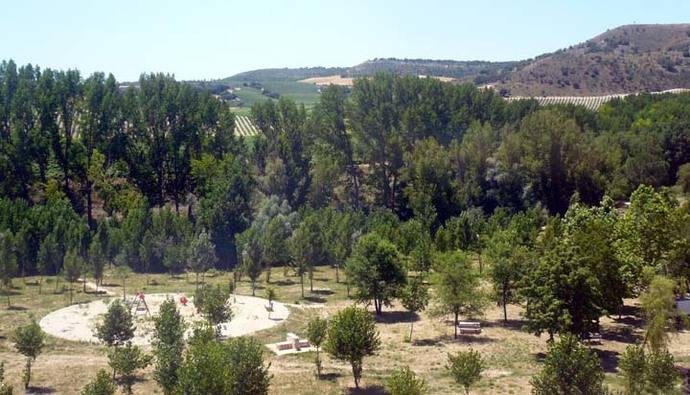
[(301, 93)]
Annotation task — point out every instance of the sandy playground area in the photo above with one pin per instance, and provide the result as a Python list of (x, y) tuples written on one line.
[(77, 322)]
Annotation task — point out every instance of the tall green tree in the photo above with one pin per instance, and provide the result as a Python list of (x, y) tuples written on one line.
[(375, 269), (117, 327), (317, 329), (249, 250), (125, 362), (202, 255), (659, 306), (8, 264), (457, 287), (168, 345), (415, 298), (225, 210), (508, 263), (331, 132), (352, 335), (306, 249), (212, 302), (73, 269), (29, 341)]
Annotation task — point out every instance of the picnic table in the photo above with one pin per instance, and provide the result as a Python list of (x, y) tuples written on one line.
[(469, 327)]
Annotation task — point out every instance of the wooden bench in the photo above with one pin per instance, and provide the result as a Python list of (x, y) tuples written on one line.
[(469, 327), (284, 346)]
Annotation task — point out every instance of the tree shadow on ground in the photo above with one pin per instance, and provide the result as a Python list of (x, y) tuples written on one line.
[(369, 390), (512, 324), (474, 339), (283, 283), (630, 310), (111, 285), (396, 317), (40, 390), (94, 292), (467, 339), (330, 376), (314, 299), (427, 342), (323, 292), (17, 308), (622, 335), (539, 357), (609, 359), (629, 320), (322, 279)]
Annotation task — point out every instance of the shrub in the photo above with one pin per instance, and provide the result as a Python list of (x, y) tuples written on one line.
[(102, 384), (569, 368), (466, 368), (405, 382)]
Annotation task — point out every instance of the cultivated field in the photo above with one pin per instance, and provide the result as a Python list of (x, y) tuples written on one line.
[(244, 126), (589, 102), (512, 355)]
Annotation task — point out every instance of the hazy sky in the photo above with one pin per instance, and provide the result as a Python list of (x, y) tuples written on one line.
[(215, 39)]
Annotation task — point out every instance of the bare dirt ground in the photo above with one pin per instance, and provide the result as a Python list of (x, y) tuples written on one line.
[(330, 80), (348, 81), (78, 322), (512, 355)]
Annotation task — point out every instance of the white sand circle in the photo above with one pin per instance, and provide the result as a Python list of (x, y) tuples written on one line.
[(78, 322)]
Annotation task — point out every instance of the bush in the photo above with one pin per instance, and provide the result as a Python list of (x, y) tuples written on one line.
[(569, 368), (212, 301), (5, 389), (234, 367), (466, 368), (102, 384), (661, 375), (125, 361), (405, 382), (633, 364)]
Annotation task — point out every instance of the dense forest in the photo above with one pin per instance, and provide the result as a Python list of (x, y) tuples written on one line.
[(153, 178)]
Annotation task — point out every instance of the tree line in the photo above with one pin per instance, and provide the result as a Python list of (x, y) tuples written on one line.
[(397, 182)]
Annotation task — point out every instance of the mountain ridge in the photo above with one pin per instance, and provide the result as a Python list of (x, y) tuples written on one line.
[(626, 59)]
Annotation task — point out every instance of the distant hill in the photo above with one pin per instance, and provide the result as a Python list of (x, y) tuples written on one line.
[(286, 74), (475, 71), (627, 59), (631, 58)]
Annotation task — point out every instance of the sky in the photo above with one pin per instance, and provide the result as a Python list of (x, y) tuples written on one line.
[(215, 39)]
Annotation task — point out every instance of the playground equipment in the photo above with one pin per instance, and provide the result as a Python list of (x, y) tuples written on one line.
[(139, 304)]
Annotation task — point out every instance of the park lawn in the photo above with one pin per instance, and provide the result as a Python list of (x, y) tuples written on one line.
[(512, 355)]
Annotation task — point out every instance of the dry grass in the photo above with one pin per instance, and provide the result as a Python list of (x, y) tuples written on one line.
[(512, 355)]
